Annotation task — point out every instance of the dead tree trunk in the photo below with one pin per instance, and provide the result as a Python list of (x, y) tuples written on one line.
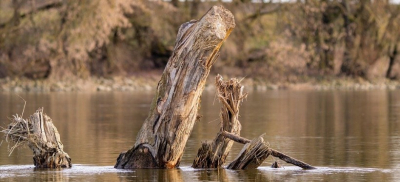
[(39, 133), (163, 136), (213, 155), (256, 151)]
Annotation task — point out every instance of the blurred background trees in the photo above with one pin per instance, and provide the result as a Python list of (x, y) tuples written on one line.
[(290, 41)]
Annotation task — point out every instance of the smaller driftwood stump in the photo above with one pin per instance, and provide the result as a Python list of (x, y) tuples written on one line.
[(253, 154), (39, 133), (213, 154)]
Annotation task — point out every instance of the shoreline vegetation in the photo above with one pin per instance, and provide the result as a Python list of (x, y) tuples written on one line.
[(122, 45), (138, 83)]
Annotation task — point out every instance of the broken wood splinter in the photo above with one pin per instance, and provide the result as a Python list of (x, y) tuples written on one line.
[(264, 146), (213, 154)]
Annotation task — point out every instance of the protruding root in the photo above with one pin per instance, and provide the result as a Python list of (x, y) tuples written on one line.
[(39, 133)]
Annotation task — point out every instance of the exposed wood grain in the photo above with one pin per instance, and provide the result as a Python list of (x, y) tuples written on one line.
[(174, 109), (252, 155)]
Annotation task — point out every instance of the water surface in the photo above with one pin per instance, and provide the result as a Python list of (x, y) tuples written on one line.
[(348, 135)]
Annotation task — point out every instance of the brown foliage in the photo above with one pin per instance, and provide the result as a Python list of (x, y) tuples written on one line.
[(67, 40), (279, 41), (366, 30)]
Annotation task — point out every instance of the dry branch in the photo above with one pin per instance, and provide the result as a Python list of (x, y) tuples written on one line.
[(213, 155), (290, 160), (39, 133), (258, 147), (174, 110)]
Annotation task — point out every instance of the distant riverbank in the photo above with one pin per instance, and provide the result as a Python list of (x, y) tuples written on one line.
[(149, 82), (79, 85)]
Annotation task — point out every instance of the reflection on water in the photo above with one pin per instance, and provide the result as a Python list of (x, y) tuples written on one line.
[(108, 173), (352, 134)]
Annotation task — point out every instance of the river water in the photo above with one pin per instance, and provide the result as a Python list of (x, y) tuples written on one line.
[(347, 135)]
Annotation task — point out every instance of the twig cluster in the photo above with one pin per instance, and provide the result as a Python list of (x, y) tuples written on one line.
[(19, 132)]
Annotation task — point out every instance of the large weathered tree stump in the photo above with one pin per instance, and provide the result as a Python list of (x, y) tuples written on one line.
[(213, 154), (39, 133), (174, 110)]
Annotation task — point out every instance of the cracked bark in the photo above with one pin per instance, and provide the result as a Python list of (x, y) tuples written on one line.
[(174, 110)]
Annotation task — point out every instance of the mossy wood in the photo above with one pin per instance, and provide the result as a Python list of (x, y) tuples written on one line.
[(174, 110), (213, 154), (40, 134)]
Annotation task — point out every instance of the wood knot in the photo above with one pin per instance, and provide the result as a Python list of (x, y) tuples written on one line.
[(160, 104)]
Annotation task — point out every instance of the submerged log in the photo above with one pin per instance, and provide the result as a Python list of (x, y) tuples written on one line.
[(213, 154), (40, 134), (256, 151), (252, 155), (174, 110)]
